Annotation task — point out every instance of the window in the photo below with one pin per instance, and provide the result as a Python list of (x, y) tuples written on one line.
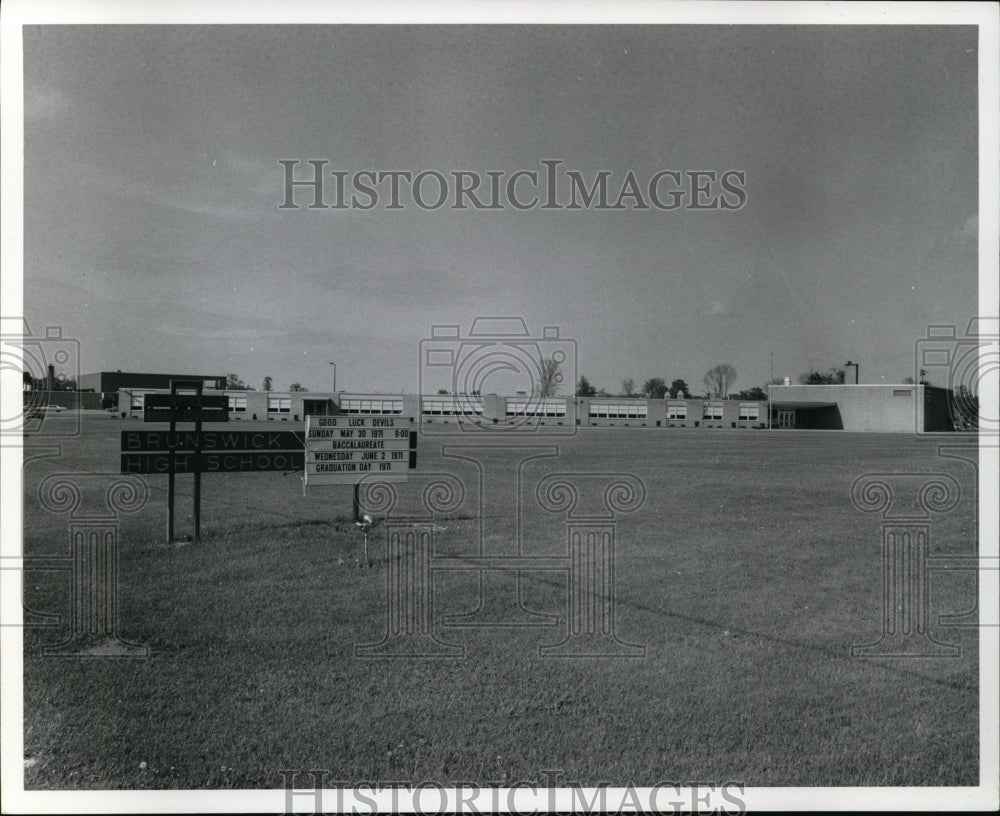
[(448, 406), (279, 405), (366, 405), (902, 392), (677, 410), (712, 410), (536, 406), (137, 401), (237, 403), (749, 411), (618, 410)]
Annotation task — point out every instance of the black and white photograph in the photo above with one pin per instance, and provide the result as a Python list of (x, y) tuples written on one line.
[(499, 407)]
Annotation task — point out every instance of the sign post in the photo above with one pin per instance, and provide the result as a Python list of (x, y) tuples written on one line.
[(333, 450), (199, 451)]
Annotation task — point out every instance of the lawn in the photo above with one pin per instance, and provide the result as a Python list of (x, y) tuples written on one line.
[(747, 575)]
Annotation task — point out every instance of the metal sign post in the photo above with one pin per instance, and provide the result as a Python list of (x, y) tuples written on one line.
[(199, 451)]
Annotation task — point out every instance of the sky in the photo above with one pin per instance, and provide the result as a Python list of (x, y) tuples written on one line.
[(154, 233)]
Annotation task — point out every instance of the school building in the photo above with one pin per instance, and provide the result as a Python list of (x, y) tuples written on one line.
[(872, 408)]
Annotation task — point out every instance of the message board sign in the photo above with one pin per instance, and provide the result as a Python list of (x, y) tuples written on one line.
[(347, 449)]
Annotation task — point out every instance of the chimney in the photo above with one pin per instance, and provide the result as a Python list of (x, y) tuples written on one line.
[(51, 383)]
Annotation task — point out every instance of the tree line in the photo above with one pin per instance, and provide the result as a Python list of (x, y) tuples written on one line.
[(718, 381), (234, 383)]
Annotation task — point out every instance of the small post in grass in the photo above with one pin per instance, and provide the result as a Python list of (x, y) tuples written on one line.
[(363, 524)]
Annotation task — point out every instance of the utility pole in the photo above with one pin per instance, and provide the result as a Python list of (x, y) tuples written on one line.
[(334, 377)]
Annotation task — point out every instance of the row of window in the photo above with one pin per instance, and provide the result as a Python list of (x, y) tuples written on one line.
[(536, 407), (618, 410), (351, 405), (465, 406), (448, 406)]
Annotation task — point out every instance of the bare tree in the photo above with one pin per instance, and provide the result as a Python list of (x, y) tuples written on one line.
[(719, 379), (628, 387), (548, 378), (268, 383)]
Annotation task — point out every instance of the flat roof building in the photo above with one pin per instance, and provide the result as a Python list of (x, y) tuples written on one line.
[(109, 383), (875, 408)]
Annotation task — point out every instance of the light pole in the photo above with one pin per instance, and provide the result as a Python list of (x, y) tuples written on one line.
[(770, 382), (334, 377), (855, 366)]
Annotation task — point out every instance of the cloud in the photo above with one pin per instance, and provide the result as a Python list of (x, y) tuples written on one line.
[(720, 309)]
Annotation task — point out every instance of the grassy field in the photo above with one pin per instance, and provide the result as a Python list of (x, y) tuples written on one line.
[(747, 575)]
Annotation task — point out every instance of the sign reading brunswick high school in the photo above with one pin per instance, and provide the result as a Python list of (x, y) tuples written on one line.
[(210, 451), (347, 449)]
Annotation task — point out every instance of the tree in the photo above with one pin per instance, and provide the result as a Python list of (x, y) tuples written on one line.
[(654, 388), (443, 391), (679, 387), (297, 387), (584, 388), (833, 376), (548, 378), (234, 383), (268, 383), (28, 381), (909, 381), (628, 387), (719, 379)]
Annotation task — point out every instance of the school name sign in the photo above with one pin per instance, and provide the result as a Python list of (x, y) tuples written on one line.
[(347, 449), (211, 451)]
